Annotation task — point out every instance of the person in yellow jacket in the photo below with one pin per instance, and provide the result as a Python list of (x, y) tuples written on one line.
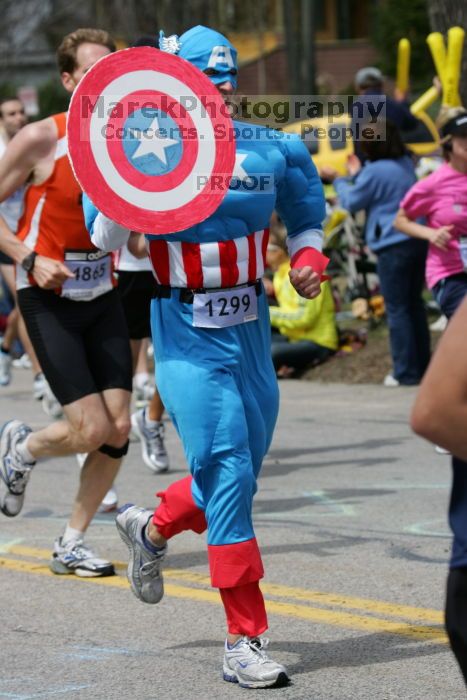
[(304, 331)]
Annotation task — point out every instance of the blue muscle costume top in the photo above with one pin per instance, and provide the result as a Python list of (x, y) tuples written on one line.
[(276, 172)]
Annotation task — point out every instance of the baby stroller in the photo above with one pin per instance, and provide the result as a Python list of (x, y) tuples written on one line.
[(351, 267)]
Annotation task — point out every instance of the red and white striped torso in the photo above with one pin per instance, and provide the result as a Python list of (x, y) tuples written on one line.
[(213, 265)]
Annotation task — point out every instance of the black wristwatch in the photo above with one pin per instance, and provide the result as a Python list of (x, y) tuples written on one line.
[(28, 262)]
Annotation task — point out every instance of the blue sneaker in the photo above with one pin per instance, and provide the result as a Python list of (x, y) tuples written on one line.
[(144, 568), (14, 471)]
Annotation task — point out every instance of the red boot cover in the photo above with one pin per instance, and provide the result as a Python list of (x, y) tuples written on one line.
[(245, 610), (235, 564), (177, 510)]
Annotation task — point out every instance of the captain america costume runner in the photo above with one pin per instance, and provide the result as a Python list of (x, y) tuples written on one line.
[(218, 383)]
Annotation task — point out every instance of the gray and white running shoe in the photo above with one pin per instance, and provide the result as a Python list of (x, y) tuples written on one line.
[(81, 458), (39, 386), (14, 471), (109, 502), (441, 450), (22, 362), (50, 404), (247, 664), (152, 442), (143, 393), (144, 568), (5, 368), (75, 558)]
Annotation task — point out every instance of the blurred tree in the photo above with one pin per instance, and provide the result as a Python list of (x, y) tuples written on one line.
[(126, 19), (32, 29), (451, 13), (394, 19), (21, 20), (29, 25), (52, 99), (7, 90), (299, 27)]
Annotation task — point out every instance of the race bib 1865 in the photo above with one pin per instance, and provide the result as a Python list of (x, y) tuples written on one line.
[(93, 274), (225, 307)]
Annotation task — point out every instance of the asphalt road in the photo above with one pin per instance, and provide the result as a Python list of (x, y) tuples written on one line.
[(351, 518)]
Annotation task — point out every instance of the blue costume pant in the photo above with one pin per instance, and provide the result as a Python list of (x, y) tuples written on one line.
[(220, 390)]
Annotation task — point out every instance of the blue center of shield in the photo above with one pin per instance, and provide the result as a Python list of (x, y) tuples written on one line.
[(152, 141)]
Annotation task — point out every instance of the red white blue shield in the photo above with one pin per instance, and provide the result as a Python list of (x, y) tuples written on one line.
[(150, 140)]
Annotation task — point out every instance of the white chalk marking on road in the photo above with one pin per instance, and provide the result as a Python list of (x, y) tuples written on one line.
[(425, 528), (6, 545)]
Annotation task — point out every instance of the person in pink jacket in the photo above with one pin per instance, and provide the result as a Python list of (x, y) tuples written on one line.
[(441, 198)]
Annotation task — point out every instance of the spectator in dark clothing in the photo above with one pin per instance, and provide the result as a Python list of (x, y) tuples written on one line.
[(369, 84), (378, 188)]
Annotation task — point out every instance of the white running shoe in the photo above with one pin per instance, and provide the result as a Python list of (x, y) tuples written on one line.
[(390, 381), (143, 393), (75, 558), (440, 324), (247, 664), (39, 386), (22, 362), (50, 404), (152, 442), (144, 568), (441, 450), (110, 500), (81, 458), (14, 471), (5, 368)]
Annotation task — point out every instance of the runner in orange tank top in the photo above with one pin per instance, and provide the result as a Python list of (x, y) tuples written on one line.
[(56, 204), (74, 318)]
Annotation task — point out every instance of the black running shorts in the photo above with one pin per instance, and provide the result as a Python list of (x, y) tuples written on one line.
[(82, 346), (136, 289)]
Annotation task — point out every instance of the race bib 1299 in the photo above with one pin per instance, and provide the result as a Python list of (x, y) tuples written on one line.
[(225, 307)]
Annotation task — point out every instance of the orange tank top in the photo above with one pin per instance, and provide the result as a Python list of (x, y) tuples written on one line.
[(52, 219)]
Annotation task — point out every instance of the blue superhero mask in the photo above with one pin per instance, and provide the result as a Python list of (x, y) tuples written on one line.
[(206, 49)]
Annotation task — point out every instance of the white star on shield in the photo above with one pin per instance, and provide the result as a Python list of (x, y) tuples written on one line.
[(152, 141)]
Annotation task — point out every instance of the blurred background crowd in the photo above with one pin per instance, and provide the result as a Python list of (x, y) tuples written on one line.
[(383, 304)]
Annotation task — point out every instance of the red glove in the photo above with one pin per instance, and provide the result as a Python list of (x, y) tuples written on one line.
[(313, 258)]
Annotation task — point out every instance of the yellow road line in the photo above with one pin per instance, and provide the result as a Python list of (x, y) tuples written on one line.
[(406, 612), (364, 604), (309, 613)]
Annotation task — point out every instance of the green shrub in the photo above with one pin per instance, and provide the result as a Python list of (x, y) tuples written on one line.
[(7, 90), (52, 99), (394, 19)]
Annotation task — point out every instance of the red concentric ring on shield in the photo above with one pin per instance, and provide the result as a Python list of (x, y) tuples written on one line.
[(93, 180), (152, 99)]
